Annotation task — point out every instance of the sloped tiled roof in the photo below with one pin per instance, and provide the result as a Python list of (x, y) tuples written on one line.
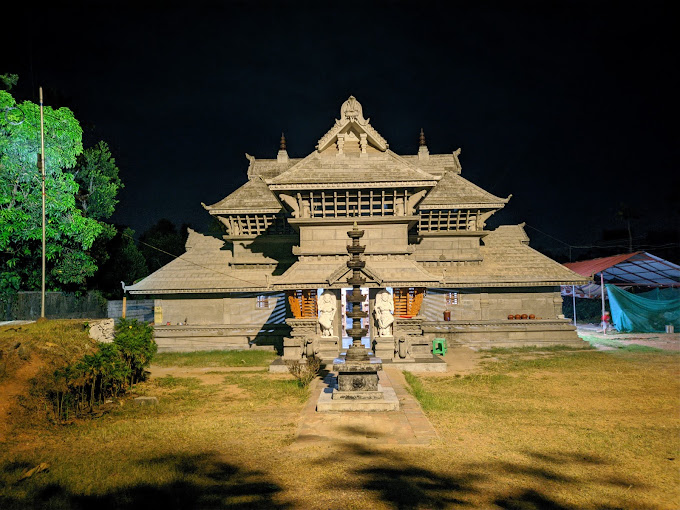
[(509, 261), (269, 168), (454, 190), (253, 195), (435, 164), (204, 268), (382, 167)]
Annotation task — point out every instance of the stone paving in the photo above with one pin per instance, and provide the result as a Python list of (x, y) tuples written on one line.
[(408, 426)]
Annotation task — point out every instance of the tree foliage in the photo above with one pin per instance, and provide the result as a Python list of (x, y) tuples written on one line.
[(125, 263), (70, 232), (98, 183), (162, 243)]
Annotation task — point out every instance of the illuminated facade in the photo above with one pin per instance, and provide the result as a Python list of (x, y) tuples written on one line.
[(426, 244)]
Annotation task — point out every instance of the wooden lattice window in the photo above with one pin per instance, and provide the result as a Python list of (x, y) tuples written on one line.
[(451, 298), (407, 300), (350, 203), (447, 219), (303, 303)]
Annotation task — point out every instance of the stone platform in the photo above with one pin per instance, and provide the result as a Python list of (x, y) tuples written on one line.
[(433, 364), (408, 426), (385, 399)]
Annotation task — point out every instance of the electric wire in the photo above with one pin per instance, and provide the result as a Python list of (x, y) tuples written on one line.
[(191, 261), (668, 245)]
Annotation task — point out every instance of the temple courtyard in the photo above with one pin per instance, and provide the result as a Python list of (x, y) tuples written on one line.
[(555, 427)]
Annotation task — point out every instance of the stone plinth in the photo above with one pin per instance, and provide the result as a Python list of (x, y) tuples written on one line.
[(387, 401), (411, 329), (329, 347), (383, 346), (357, 388), (357, 376)]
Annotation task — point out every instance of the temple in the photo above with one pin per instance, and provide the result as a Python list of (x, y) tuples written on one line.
[(432, 269)]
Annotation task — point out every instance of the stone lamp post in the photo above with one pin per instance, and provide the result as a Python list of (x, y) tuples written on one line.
[(357, 388)]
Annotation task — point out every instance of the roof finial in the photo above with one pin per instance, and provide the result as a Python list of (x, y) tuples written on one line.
[(423, 152), (282, 156)]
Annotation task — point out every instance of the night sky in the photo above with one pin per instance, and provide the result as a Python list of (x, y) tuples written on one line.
[(569, 106)]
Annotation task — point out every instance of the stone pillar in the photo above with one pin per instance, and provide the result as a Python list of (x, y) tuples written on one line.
[(329, 346)]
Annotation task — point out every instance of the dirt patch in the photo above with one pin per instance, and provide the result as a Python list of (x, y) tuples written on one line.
[(197, 372), (206, 375), (15, 385)]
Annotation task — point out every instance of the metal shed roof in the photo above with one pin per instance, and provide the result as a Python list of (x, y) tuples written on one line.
[(638, 268)]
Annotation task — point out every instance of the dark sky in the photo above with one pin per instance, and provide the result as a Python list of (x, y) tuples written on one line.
[(569, 106)]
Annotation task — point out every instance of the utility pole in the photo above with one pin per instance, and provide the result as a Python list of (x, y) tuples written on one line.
[(41, 161)]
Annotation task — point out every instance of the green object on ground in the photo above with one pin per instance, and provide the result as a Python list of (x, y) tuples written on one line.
[(649, 312), (439, 346)]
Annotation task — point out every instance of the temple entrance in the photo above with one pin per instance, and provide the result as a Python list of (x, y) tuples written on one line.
[(347, 322)]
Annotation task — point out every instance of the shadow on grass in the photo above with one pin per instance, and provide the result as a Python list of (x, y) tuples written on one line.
[(396, 478), (199, 481)]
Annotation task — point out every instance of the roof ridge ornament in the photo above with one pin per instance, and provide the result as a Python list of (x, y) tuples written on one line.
[(352, 110)]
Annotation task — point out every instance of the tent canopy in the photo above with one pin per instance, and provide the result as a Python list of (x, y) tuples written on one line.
[(631, 269), (648, 312)]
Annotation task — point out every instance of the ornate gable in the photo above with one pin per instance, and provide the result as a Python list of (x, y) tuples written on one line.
[(352, 127)]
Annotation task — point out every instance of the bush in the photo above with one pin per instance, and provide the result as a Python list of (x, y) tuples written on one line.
[(137, 346), (106, 373), (305, 372)]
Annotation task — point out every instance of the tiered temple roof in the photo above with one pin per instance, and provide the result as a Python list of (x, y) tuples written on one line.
[(354, 157), (317, 170)]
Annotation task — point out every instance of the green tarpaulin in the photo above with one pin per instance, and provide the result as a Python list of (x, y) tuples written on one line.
[(648, 312)]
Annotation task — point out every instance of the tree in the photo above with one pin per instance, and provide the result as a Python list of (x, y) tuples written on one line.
[(69, 233), (96, 173), (98, 183), (126, 264), (162, 243)]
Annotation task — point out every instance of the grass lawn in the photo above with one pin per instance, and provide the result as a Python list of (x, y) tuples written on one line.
[(562, 430)]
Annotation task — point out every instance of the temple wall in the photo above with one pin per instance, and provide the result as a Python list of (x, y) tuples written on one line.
[(544, 302), (481, 318), (231, 321), (332, 239), (434, 304)]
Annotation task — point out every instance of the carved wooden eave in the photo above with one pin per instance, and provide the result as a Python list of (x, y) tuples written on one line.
[(351, 116)]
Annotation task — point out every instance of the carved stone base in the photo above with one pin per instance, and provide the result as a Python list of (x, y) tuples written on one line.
[(383, 347), (357, 382), (329, 347), (357, 376), (292, 349), (420, 345)]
